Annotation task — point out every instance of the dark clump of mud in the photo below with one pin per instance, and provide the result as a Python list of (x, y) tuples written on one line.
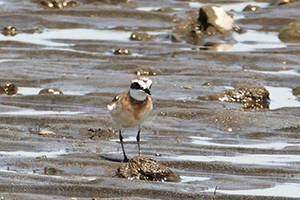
[(291, 33), (143, 168), (8, 88), (54, 91), (250, 97), (10, 31), (122, 51), (296, 91)]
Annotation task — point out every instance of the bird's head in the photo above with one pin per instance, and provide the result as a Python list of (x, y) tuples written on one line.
[(140, 88)]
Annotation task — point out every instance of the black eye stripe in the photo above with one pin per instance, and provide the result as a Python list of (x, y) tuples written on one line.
[(135, 85)]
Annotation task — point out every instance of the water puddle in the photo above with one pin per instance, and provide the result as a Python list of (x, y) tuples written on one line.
[(35, 91), (291, 72), (282, 97), (32, 112), (205, 141), (187, 179), (245, 159), (255, 40), (147, 9), (72, 34), (51, 154), (68, 34), (290, 190), (238, 7), (250, 41)]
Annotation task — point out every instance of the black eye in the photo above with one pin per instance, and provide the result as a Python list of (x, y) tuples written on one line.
[(135, 85)]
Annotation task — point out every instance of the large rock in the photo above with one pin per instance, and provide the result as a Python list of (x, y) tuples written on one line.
[(250, 97), (143, 168), (215, 16), (291, 33)]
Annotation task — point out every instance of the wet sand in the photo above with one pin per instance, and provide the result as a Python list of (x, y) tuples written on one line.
[(248, 154)]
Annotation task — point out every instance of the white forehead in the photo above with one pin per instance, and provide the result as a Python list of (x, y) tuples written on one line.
[(143, 81)]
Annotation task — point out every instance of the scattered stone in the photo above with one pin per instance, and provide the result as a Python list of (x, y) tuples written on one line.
[(291, 33), (138, 36), (143, 168), (280, 2), (110, 2), (187, 87), (251, 8), (52, 171), (102, 134), (122, 51), (250, 97), (296, 91), (175, 39), (148, 72), (59, 4), (8, 88), (54, 91), (10, 31), (207, 84), (46, 132), (215, 18)]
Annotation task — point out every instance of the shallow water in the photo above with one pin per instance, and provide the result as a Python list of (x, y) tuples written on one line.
[(238, 7), (32, 112), (245, 159), (205, 141), (35, 91), (282, 97), (280, 72), (285, 190), (187, 179), (30, 154)]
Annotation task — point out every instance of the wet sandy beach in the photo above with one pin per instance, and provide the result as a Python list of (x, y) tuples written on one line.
[(246, 154)]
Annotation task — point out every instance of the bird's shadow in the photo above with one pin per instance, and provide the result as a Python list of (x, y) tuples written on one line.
[(111, 159)]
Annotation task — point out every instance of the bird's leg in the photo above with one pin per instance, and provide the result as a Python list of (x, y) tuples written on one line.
[(138, 140), (121, 140)]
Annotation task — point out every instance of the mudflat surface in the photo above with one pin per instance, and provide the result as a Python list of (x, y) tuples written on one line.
[(246, 154)]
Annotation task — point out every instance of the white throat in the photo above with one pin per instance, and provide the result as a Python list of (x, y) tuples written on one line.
[(138, 95)]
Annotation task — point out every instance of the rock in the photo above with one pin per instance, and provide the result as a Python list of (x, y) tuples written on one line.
[(291, 33), (148, 72), (216, 17), (140, 36), (122, 51), (250, 97), (251, 8), (59, 4), (143, 168), (10, 31), (54, 91), (110, 2), (175, 39), (280, 2), (46, 132), (296, 91), (8, 88)]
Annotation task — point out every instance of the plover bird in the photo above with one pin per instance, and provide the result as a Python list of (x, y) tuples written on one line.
[(130, 109)]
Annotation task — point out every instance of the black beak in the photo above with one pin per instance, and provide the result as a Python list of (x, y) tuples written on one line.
[(147, 91)]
